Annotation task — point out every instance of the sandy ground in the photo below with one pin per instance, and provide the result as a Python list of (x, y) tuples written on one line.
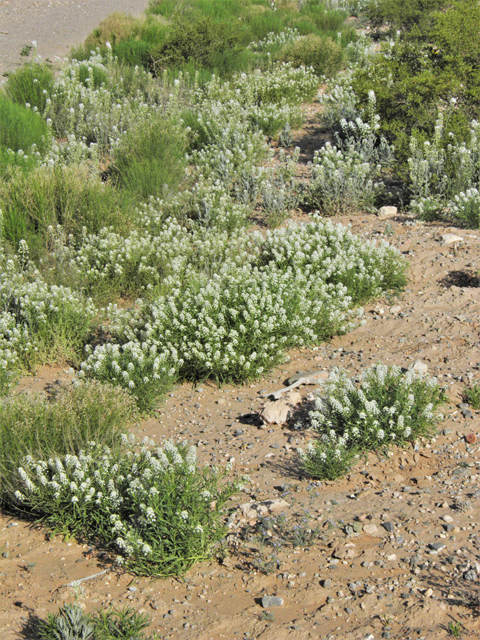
[(394, 547), (55, 25)]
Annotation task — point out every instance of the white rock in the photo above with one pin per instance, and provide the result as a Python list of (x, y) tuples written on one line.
[(370, 529), (387, 212), (419, 367), (450, 238), (447, 518), (275, 412), (255, 510), (293, 398), (395, 309)]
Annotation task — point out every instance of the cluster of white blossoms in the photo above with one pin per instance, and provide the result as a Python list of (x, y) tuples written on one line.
[(387, 406), (275, 40), (141, 500)]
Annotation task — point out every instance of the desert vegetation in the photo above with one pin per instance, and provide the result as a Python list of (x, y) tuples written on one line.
[(147, 192)]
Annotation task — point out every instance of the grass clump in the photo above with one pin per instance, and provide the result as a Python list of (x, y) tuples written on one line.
[(387, 407), (323, 54), (150, 159), (31, 84), (32, 425), (162, 512), (23, 133), (71, 622), (70, 196)]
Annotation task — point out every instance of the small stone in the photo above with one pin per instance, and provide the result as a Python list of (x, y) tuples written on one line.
[(448, 527), (326, 583), (446, 432), (388, 526), (271, 601), (370, 529), (471, 438), (395, 309), (436, 546), (429, 593), (447, 518), (470, 575), (419, 367), (387, 212), (348, 610), (6, 554), (357, 526), (275, 412), (132, 589), (450, 238)]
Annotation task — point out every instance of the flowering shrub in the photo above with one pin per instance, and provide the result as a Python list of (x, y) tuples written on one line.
[(240, 303), (68, 420), (387, 407), (465, 208), (56, 320), (155, 507)]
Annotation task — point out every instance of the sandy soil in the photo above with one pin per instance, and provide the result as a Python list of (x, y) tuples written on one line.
[(55, 25), (396, 547)]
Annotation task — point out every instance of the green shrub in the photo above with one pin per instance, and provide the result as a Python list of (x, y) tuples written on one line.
[(387, 407), (114, 28), (403, 15), (31, 84), (150, 158), (472, 395), (32, 425), (72, 623), (71, 196), (22, 131), (162, 512), (201, 40), (323, 54)]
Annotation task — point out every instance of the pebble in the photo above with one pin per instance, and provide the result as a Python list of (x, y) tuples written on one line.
[(370, 529), (271, 601), (470, 575), (388, 526), (447, 518), (471, 438), (419, 367), (326, 583), (436, 546)]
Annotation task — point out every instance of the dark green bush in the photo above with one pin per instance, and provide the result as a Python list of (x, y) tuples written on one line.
[(201, 41), (405, 14)]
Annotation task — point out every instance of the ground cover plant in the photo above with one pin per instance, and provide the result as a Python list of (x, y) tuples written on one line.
[(386, 407)]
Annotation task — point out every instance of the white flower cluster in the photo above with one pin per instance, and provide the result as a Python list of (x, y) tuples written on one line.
[(140, 500), (387, 406), (275, 40), (465, 207), (243, 300)]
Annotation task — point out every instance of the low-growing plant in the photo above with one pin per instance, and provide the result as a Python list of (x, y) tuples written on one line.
[(30, 85), (387, 407), (324, 55), (149, 160), (72, 623), (472, 395), (32, 425), (156, 507)]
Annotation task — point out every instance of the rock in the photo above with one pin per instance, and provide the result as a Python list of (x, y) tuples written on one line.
[(429, 593), (419, 367), (327, 583), (395, 309), (387, 212), (255, 510), (315, 373), (436, 546), (450, 238), (388, 526), (447, 518), (357, 526), (275, 412), (471, 438), (370, 529), (448, 528), (271, 601), (293, 398), (470, 575)]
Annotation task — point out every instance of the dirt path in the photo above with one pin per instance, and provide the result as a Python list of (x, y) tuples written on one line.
[(55, 25)]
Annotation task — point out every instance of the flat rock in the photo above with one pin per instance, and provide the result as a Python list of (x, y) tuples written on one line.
[(450, 238), (371, 530), (271, 601), (314, 373), (275, 412), (293, 397)]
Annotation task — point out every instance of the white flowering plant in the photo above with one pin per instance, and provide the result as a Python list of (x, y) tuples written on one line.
[(388, 406), (155, 507)]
